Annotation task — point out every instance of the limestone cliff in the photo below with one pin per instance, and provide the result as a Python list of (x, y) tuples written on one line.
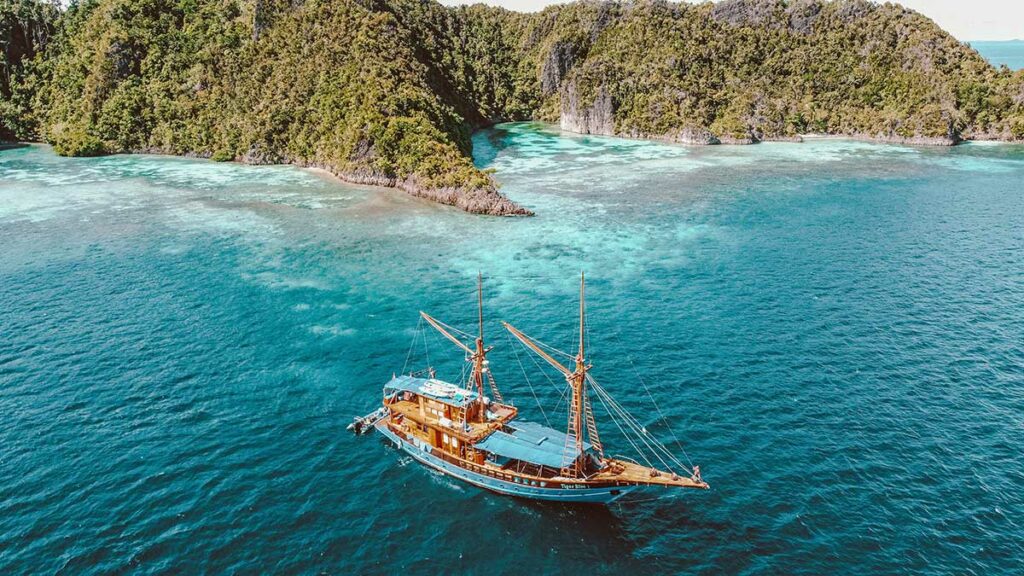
[(746, 71), (595, 117)]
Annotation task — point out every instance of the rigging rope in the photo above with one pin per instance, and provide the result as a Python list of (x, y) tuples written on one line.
[(619, 415), (515, 351), (451, 328), (565, 394), (656, 446), (609, 401), (464, 378), (545, 370), (415, 336), (552, 349), (658, 408), (626, 436)]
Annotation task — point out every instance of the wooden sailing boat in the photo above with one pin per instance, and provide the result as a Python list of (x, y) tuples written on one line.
[(462, 432)]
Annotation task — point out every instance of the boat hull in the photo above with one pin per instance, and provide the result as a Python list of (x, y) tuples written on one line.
[(591, 495)]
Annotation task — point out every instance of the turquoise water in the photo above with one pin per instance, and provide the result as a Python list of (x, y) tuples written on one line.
[(1009, 52), (834, 327)]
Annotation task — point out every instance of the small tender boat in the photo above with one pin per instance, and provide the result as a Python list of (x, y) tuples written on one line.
[(463, 432), (363, 424)]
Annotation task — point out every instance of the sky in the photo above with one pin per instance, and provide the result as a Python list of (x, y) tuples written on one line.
[(965, 19)]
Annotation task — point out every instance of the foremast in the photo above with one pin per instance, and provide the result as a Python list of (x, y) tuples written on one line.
[(476, 356)]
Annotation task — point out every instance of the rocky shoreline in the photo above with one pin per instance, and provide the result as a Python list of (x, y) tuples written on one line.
[(599, 119), (490, 202), (703, 137), (484, 201)]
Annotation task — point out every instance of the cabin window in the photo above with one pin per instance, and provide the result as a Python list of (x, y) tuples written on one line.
[(455, 443), (445, 438), (543, 484)]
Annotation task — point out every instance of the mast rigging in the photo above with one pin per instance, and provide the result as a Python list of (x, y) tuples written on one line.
[(478, 356)]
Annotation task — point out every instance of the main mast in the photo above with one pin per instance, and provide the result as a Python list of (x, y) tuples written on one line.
[(580, 408), (580, 411)]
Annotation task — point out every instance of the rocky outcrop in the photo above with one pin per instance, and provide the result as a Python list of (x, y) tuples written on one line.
[(794, 139), (916, 140), (692, 135), (597, 117), (744, 12), (853, 10), (260, 18), (1001, 134), (798, 16), (697, 135), (605, 15), (559, 61), (125, 58), (920, 134), (739, 140), (802, 15), (487, 201), (484, 200), (258, 153)]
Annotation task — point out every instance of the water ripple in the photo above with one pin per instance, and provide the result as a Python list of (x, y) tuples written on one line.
[(834, 328)]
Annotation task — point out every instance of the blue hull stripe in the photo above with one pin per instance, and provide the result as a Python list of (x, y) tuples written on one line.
[(592, 495)]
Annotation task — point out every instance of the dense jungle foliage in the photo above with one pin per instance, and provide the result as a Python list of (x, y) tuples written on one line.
[(745, 70), (25, 30), (388, 91)]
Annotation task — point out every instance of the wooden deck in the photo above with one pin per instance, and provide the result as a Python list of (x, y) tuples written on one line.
[(478, 430), (619, 471), (623, 471)]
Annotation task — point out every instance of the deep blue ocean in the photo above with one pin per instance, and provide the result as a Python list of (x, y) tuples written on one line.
[(835, 329), (1008, 52)]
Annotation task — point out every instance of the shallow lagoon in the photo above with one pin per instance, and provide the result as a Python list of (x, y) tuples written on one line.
[(834, 326)]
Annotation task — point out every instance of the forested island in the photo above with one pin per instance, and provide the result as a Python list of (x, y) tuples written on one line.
[(388, 92)]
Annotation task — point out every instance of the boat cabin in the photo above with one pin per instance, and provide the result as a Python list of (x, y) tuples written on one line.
[(444, 415), (454, 420)]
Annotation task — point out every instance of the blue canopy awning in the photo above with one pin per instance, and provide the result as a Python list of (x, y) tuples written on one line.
[(530, 442), (430, 388)]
